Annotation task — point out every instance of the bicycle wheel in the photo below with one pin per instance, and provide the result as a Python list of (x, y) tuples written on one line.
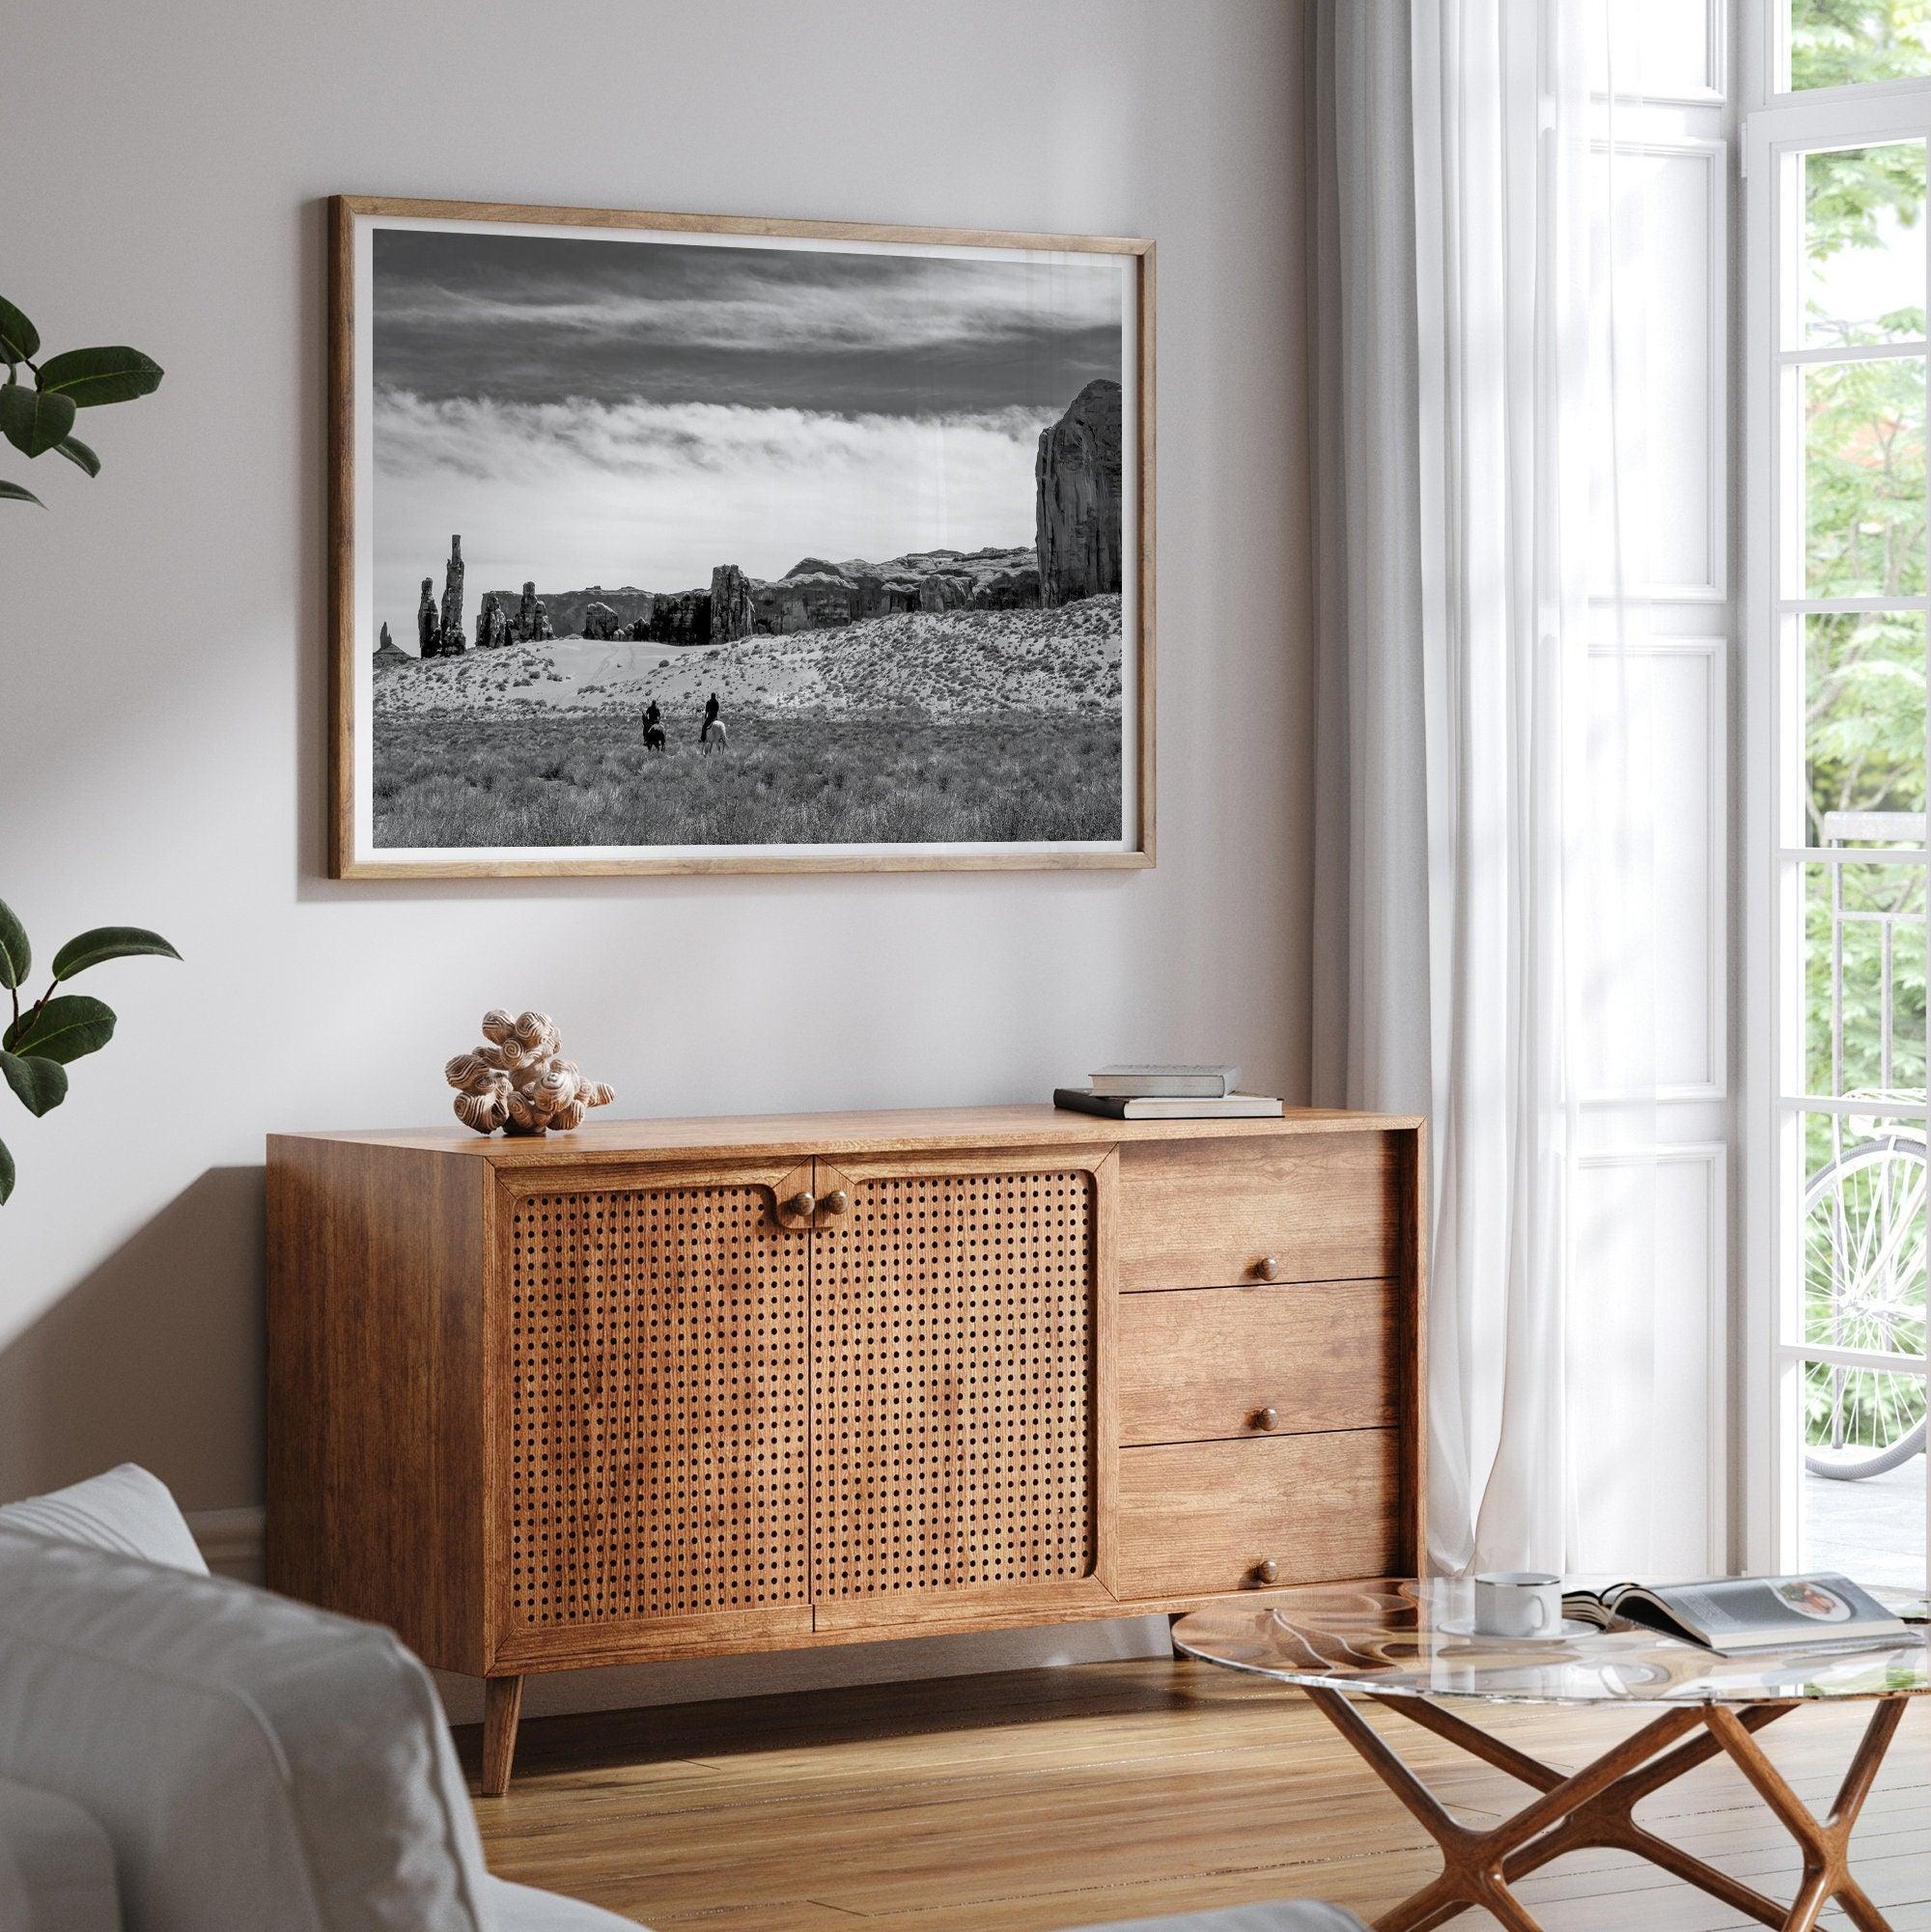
[(1864, 1288)]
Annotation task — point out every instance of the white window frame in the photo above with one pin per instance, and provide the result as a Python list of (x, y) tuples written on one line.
[(1776, 125)]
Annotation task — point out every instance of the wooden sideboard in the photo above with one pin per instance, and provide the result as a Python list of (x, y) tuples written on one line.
[(672, 1388)]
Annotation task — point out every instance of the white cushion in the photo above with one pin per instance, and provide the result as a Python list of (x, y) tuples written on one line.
[(259, 1766), (56, 1865), (518, 1908), (125, 1509), (1291, 1915)]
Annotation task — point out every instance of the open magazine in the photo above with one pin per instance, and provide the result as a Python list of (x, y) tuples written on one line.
[(1736, 1615)]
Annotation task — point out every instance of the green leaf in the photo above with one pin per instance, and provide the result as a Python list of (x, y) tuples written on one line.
[(78, 454), (108, 943), (19, 342), (16, 956), (64, 1029), (34, 420), (12, 492), (91, 377), (5, 1174), (39, 1083)]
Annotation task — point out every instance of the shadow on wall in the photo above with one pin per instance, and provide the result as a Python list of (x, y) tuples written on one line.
[(155, 1358)]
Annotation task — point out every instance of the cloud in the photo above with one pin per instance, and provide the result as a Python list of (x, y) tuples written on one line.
[(754, 313), (537, 318), (655, 494)]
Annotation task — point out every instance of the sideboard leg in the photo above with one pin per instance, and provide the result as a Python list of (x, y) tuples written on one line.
[(502, 1706)]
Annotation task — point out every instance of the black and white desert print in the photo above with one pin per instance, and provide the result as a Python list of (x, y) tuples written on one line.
[(683, 542)]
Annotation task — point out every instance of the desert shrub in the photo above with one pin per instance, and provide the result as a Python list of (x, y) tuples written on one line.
[(562, 780)]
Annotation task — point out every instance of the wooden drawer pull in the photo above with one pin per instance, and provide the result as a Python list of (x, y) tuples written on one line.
[(803, 1205), (1267, 1268), (1267, 1418), (835, 1202), (1267, 1570)]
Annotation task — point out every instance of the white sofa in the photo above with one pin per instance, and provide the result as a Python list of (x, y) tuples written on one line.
[(180, 1752)]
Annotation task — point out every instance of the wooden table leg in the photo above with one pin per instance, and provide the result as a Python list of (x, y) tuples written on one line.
[(1610, 1821), (1826, 1843), (1595, 1806), (502, 1706), (1473, 1863)]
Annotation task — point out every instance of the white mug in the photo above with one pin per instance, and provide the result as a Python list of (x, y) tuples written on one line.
[(1517, 1603)]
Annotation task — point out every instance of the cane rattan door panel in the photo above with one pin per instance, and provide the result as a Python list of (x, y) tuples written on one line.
[(954, 1370), (659, 1395)]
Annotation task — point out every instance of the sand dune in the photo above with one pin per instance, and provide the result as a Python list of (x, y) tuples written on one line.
[(1062, 662)]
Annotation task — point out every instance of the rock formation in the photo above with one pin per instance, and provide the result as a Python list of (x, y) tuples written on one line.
[(1080, 497), (388, 652), (567, 608), (493, 623), (452, 599), (523, 625), (731, 616), (429, 625), (814, 595), (681, 619), (942, 592), (1014, 589)]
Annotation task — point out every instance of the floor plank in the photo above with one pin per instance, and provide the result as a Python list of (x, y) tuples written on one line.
[(1037, 1801)]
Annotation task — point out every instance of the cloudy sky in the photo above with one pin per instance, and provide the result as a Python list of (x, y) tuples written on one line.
[(588, 411)]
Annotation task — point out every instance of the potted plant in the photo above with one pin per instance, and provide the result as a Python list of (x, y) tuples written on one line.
[(44, 1037)]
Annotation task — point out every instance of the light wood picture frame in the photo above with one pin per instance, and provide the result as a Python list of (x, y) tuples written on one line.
[(528, 405)]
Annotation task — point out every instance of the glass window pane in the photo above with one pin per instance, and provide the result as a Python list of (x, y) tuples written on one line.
[(1863, 1254), (1862, 1510), (1863, 478), (1863, 245), (1864, 729), (1864, 979), (1845, 42)]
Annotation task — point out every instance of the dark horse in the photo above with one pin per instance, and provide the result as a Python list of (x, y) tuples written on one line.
[(654, 730)]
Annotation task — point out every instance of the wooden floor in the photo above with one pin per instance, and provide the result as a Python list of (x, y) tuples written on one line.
[(1050, 1798)]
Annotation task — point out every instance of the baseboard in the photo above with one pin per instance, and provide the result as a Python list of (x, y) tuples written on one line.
[(232, 1542)]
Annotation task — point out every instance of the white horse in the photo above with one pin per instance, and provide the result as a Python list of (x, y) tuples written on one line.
[(714, 738)]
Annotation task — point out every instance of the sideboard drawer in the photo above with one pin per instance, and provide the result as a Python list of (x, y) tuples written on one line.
[(1198, 1363), (1196, 1519), (1212, 1214)]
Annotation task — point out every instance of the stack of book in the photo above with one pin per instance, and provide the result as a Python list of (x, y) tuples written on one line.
[(1167, 1093)]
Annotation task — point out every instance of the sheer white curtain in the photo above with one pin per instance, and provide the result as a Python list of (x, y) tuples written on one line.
[(1482, 878)]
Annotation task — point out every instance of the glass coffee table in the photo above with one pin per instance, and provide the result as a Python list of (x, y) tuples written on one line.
[(1407, 1645)]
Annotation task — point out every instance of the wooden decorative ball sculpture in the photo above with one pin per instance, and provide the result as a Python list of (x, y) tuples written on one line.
[(518, 1079)]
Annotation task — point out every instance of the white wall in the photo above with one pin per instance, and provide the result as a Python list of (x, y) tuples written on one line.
[(162, 650)]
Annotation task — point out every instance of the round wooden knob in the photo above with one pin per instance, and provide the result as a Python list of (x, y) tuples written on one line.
[(1267, 1268), (803, 1205), (1266, 1419), (1267, 1570), (835, 1202)]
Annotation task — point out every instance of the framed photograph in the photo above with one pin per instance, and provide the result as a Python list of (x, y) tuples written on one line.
[(669, 543)]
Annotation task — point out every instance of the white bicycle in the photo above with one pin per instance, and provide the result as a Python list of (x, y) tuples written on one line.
[(1863, 1289)]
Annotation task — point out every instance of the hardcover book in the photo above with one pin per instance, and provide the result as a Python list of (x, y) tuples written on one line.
[(1131, 1081), (1167, 1106)]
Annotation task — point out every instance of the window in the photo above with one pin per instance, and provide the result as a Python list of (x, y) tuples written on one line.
[(1853, 42), (1836, 271)]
